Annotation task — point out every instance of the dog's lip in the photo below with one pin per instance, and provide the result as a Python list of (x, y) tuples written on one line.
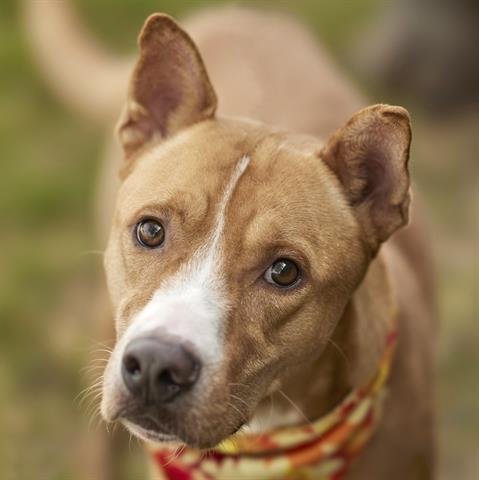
[(148, 434), (145, 425), (120, 413)]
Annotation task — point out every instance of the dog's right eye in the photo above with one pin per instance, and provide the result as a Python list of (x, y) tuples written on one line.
[(150, 233), (282, 273)]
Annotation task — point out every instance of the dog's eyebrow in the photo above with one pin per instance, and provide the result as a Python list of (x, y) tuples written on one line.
[(163, 210), (174, 204)]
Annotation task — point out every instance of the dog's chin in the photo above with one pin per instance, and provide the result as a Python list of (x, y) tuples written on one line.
[(154, 435), (149, 435)]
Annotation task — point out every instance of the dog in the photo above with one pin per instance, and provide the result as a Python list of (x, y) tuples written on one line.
[(269, 276)]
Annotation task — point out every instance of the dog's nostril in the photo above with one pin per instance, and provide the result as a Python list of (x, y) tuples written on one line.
[(164, 377), (187, 375), (166, 382), (132, 366)]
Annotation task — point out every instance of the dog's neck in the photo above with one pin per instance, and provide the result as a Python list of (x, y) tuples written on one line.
[(350, 359)]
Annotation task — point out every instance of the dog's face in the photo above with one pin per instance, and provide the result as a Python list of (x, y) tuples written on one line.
[(234, 247)]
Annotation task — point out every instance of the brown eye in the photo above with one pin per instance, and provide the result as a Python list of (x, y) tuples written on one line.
[(282, 273), (150, 233)]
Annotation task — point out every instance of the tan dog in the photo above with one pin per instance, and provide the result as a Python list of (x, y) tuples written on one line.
[(247, 264)]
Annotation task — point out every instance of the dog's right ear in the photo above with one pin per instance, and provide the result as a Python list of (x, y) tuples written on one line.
[(169, 89)]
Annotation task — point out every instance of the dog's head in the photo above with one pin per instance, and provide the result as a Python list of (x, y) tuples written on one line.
[(234, 247)]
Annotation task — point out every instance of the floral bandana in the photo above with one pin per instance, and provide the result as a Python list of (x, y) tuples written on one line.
[(321, 450)]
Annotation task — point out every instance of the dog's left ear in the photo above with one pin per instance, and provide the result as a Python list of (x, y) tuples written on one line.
[(369, 156), (169, 89)]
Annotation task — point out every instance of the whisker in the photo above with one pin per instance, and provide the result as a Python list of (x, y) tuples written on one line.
[(294, 405), (236, 397), (95, 417), (174, 455), (88, 392), (236, 384), (97, 351), (341, 353), (96, 363), (87, 372), (271, 409), (129, 442), (94, 343), (241, 414), (112, 428), (94, 405)]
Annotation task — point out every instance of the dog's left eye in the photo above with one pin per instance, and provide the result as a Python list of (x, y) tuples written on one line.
[(150, 233), (282, 273)]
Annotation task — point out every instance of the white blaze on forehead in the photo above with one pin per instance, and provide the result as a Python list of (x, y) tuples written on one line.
[(240, 168), (192, 303)]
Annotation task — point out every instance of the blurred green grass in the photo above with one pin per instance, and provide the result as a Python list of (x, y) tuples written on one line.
[(49, 164)]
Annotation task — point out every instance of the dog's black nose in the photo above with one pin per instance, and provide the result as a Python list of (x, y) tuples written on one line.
[(156, 371)]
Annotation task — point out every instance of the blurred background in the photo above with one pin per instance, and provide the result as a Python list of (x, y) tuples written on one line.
[(420, 54)]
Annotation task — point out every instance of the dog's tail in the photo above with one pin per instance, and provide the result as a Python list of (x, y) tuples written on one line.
[(88, 79)]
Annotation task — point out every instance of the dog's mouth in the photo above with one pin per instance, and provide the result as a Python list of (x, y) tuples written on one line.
[(148, 434), (147, 427)]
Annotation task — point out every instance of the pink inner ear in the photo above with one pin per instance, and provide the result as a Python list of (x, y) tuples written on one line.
[(361, 171), (158, 82), (376, 175), (161, 103)]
